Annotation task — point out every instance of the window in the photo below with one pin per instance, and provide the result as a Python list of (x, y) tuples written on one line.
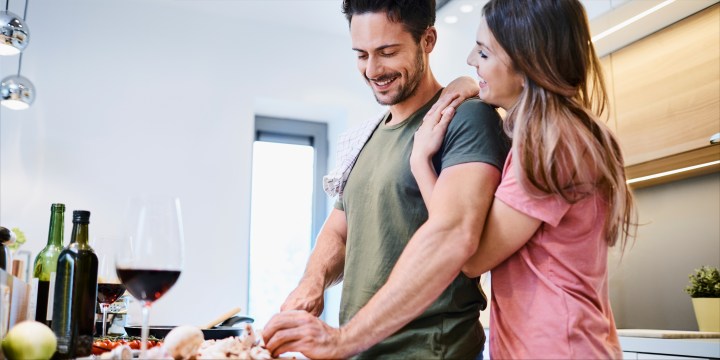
[(287, 208)]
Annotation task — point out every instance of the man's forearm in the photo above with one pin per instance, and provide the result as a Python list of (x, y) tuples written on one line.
[(327, 261), (324, 268)]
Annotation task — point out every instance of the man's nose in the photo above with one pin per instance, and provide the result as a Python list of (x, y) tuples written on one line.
[(373, 69)]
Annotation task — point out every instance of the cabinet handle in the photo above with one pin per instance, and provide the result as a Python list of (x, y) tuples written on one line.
[(715, 139)]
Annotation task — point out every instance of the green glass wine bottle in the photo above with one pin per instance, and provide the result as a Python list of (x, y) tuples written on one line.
[(73, 318), (46, 264)]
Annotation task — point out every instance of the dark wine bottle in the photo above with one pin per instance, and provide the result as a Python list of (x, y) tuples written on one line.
[(73, 318), (46, 264), (6, 237)]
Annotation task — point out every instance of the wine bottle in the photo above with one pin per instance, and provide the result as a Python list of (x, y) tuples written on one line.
[(46, 264), (73, 318)]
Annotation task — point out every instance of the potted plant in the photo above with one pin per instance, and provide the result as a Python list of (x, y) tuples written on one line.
[(704, 289)]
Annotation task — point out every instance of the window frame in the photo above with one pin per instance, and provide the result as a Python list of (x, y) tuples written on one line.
[(291, 131)]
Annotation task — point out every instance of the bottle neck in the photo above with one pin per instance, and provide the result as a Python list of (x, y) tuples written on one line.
[(80, 236), (57, 227)]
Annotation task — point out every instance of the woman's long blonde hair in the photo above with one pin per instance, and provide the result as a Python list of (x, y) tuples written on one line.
[(559, 145)]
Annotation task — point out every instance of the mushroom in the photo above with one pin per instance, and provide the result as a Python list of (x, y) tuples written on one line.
[(183, 342)]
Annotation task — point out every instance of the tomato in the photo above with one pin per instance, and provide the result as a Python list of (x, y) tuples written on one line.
[(135, 344), (97, 350), (100, 347)]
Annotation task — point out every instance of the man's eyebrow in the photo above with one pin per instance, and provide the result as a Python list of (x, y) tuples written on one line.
[(379, 48)]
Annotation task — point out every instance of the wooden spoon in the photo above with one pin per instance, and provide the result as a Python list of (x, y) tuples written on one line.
[(221, 318)]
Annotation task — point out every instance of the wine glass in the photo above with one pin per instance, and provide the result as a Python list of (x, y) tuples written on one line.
[(109, 286), (150, 257)]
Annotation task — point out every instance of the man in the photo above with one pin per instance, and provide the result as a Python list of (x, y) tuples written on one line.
[(403, 293)]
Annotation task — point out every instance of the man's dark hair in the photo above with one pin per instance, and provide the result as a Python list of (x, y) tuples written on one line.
[(415, 15)]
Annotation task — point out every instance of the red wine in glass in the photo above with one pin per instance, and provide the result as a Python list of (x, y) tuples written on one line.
[(108, 293), (148, 284), (151, 254)]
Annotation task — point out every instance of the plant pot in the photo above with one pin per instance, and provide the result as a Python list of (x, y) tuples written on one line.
[(707, 313)]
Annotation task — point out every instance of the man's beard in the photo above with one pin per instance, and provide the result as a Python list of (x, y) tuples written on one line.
[(407, 90)]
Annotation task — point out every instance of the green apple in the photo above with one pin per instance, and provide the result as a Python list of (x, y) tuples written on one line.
[(29, 340)]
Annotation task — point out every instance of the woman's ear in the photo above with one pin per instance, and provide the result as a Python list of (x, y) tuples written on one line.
[(429, 39)]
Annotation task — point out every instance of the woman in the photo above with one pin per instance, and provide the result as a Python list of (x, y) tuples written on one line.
[(562, 200)]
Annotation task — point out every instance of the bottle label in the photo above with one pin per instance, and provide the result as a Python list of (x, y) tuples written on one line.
[(4, 307), (32, 299), (51, 297)]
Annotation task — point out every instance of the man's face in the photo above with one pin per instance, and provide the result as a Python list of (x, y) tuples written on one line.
[(388, 57)]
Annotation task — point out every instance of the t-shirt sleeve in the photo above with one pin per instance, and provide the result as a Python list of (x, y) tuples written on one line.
[(548, 208), (339, 204), (475, 134)]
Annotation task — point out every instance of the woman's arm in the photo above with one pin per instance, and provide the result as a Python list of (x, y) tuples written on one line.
[(506, 230), (431, 133), (428, 139)]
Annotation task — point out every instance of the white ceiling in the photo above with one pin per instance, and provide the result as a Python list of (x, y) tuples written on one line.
[(603, 15), (325, 16), (319, 15), (594, 8)]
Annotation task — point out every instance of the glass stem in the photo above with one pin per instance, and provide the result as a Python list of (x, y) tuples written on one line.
[(145, 328), (104, 308)]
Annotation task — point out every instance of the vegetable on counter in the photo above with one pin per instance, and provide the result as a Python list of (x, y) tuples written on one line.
[(29, 340), (102, 345)]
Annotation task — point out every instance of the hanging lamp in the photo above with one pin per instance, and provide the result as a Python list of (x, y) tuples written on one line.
[(14, 33), (16, 92)]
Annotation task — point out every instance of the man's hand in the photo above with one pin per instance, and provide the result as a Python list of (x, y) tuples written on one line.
[(300, 331), (305, 297)]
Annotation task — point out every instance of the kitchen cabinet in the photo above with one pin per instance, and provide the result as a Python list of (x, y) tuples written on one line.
[(641, 348), (665, 96), (608, 114)]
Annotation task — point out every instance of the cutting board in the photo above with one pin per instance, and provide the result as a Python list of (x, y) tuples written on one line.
[(668, 334)]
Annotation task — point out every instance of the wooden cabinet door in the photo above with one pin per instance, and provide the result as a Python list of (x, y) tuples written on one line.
[(667, 89), (608, 116)]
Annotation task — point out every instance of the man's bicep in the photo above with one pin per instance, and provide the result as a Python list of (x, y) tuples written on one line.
[(336, 225), (475, 135), (463, 194)]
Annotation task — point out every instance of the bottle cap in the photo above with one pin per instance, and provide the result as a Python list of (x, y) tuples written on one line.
[(81, 216), (7, 237), (54, 207)]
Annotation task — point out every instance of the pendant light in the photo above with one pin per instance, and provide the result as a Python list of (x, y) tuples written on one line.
[(16, 92), (14, 34)]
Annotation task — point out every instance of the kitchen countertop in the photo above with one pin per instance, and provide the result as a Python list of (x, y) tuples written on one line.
[(656, 344), (662, 343)]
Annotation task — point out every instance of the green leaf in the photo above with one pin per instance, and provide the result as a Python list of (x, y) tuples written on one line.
[(704, 282), (19, 239)]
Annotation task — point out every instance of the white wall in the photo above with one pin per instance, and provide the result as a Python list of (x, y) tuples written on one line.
[(679, 232), (160, 96)]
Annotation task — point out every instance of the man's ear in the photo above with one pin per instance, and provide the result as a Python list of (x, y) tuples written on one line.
[(429, 39)]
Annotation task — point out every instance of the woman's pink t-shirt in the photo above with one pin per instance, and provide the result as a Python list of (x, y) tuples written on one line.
[(550, 298)]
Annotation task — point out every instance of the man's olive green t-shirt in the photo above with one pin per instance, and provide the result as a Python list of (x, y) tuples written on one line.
[(383, 207)]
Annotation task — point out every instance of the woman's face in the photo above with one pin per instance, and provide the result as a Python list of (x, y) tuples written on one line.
[(500, 84)]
